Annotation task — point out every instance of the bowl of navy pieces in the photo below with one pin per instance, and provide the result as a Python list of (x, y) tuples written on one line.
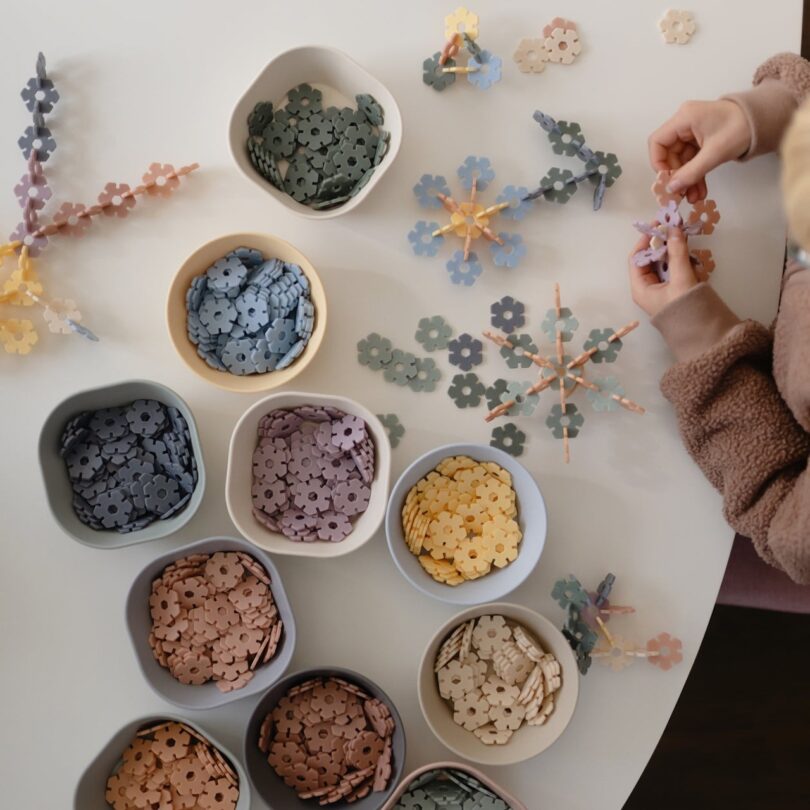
[(247, 312), (317, 110), (122, 464)]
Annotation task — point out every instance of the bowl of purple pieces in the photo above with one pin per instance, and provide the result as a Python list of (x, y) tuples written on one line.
[(308, 474)]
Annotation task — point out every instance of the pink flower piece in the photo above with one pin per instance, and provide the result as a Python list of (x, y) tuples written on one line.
[(703, 262), (666, 651), (559, 22), (659, 189), (160, 179), (32, 191), (705, 212), (116, 200), (71, 219)]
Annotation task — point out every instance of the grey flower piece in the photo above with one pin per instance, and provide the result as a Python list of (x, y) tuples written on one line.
[(401, 369), (433, 333), (516, 356), (393, 427), (606, 351), (352, 161), (301, 180), (567, 324), (371, 108), (607, 167), (566, 139), (558, 186), (374, 351), (427, 375), (260, 117), (495, 392), (37, 139), (602, 400), (466, 390), (507, 314), (508, 438), (39, 95), (264, 162), (432, 74), (280, 140), (316, 132), (303, 101), (572, 419)]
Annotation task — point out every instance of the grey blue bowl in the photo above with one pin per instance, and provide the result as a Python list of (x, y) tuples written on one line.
[(532, 518), (205, 696), (90, 790), (58, 490), (271, 787)]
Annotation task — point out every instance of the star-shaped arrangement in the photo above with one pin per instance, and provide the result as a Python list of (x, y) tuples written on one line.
[(23, 288), (469, 221), (590, 638), (483, 69), (559, 372), (701, 220)]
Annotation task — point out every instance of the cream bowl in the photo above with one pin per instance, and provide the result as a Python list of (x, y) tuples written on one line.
[(239, 477)]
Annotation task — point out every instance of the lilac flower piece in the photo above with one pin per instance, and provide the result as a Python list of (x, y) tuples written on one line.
[(669, 215), (34, 243), (33, 189)]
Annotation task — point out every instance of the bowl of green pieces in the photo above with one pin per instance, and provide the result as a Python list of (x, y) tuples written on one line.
[(316, 131)]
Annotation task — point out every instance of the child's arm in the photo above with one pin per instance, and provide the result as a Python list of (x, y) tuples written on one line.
[(732, 418), (703, 134)]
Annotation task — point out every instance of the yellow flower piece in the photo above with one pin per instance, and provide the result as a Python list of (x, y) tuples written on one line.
[(18, 336), (461, 21)]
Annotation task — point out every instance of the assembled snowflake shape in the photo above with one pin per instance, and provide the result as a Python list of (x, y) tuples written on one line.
[(469, 221), (559, 372)]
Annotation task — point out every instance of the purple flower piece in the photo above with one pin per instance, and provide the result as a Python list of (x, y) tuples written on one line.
[(311, 496), (351, 497), (270, 459), (36, 244), (669, 216), (33, 190), (334, 526)]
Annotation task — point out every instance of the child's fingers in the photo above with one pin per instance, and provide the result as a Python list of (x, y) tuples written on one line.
[(642, 244), (680, 266)]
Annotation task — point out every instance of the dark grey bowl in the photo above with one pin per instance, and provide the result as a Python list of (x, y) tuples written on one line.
[(264, 779), (139, 623), (89, 794)]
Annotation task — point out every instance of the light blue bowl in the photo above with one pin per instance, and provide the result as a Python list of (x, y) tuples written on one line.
[(532, 518)]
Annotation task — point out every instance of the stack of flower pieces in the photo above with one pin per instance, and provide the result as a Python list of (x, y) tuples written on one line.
[(448, 787), (461, 519), (560, 44), (496, 676), (330, 740), (214, 618), (171, 765)]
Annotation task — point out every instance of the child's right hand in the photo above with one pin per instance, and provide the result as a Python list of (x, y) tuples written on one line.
[(697, 139)]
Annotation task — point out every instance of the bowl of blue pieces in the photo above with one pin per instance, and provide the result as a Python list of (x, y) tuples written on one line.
[(247, 312), (122, 464)]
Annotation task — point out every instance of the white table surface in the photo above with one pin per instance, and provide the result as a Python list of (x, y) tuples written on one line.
[(156, 81)]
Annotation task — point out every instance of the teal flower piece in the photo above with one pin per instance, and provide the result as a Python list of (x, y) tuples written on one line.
[(572, 419), (566, 323), (516, 357), (433, 333), (374, 351), (393, 427), (427, 375), (606, 352)]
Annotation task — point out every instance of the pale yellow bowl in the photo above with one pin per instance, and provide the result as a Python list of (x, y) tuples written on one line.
[(527, 741), (198, 262)]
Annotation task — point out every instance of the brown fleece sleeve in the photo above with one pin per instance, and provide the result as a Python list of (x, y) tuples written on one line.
[(791, 346), (780, 85), (743, 436)]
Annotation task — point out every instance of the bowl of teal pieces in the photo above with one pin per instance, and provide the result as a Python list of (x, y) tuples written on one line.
[(320, 144)]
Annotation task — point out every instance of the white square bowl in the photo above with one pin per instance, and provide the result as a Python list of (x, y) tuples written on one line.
[(239, 478), (315, 65)]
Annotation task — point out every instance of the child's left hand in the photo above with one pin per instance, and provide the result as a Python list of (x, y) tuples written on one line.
[(653, 295)]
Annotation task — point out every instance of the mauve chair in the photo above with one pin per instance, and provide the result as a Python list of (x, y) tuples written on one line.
[(749, 582)]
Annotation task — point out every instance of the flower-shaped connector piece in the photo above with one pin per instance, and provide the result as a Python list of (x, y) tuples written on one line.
[(559, 186), (677, 27), (374, 351), (605, 167), (525, 403), (531, 55), (566, 324), (315, 132), (422, 240), (557, 420), (602, 400), (516, 356), (160, 179), (260, 117), (464, 272), (33, 190), (618, 655), (58, 313), (280, 140), (433, 74), (518, 206), (433, 333), (72, 215), (371, 108), (606, 350), (580, 630), (566, 139), (401, 369), (495, 392), (659, 189), (510, 253), (426, 377), (569, 591), (669, 216), (563, 46), (116, 200), (37, 140), (559, 22), (466, 390), (18, 336), (703, 263), (477, 169), (461, 21), (489, 70), (666, 649), (393, 427), (705, 212), (39, 95), (508, 438), (428, 188), (507, 314), (35, 243), (465, 352), (303, 101)]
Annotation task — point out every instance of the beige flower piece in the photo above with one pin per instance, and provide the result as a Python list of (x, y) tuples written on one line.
[(531, 55), (563, 46), (57, 312), (677, 26)]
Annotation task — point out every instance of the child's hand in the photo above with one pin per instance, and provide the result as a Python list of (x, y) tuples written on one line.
[(651, 294), (697, 139)]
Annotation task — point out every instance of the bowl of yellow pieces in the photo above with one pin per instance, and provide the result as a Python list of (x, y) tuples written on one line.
[(466, 524)]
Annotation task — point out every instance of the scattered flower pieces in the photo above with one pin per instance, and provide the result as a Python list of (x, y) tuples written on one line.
[(400, 367), (677, 27), (460, 520), (393, 427)]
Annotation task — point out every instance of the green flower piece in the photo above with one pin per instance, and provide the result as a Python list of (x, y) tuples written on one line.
[(401, 369), (516, 356), (508, 438), (374, 351), (572, 419), (466, 390), (393, 427), (606, 351), (427, 375), (433, 333)]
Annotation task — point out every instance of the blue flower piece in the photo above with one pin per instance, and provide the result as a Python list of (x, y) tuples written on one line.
[(422, 240), (490, 69), (428, 188), (465, 352), (476, 168), (508, 314), (510, 252), (566, 324), (461, 272), (602, 400), (518, 206)]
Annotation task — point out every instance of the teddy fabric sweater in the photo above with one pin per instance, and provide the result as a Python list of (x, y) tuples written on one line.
[(741, 391)]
